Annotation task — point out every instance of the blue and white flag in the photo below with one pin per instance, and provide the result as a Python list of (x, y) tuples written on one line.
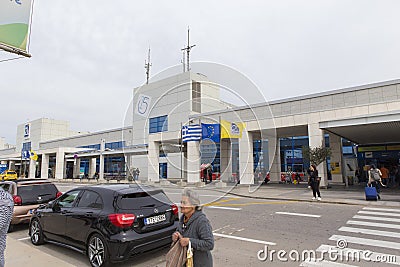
[(211, 131), (191, 133)]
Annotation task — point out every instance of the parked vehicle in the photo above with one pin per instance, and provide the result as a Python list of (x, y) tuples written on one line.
[(8, 175), (108, 223), (28, 194)]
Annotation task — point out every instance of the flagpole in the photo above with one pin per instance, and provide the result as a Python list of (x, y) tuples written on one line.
[(220, 143), (181, 148)]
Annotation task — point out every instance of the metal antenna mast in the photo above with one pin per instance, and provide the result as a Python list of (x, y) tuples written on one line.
[(187, 49), (147, 66)]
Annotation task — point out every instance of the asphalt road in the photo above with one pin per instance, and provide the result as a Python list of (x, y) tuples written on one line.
[(243, 226)]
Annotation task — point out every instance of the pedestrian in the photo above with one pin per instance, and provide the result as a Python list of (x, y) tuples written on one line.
[(137, 174), (205, 175), (384, 175), (6, 211), (375, 179), (196, 228), (209, 172), (313, 181)]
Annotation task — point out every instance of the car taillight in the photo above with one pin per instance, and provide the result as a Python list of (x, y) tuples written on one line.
[(17, 200), (122, 219), (175, 209), (58, 194)]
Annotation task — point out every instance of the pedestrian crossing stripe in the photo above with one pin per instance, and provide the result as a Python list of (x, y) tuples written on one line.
[(369, 232), (349, 253), (324, 263), (366, 241), (376, 218), (382, 225), (379, 213), (381, 209)]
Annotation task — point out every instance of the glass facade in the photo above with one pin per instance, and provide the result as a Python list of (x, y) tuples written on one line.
[(158, 124), (26, 146)]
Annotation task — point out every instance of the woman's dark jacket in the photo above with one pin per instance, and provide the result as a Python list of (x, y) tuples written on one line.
[(199, 230), (313, 175)]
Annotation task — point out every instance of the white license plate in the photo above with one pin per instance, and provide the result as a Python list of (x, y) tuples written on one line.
[(155, 219)]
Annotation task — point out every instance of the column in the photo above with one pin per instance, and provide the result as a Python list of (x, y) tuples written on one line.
[(153, 171), (226, 159), (101, 165), (11, 165), (77, 168), (246, 160), (274, 158), (316, 139), (335, 143), (92, 167), (44, 169), (60, 164), (193, 161), (32, 168)]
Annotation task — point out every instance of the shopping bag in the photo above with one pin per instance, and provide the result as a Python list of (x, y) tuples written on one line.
[(176, 256), (189, 255)]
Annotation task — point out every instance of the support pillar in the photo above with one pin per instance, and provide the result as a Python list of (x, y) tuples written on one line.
[(274, 158), (153, 170), (11, 165), (246, 159), (92, 167), (226, 160), (77, 168), (32, 168), (101, 165), (60, 164), (44, 169), (335, 143), (316, 139), (193, 162)]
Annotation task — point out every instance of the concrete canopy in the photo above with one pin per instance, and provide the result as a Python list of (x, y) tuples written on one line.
[(372, 129)]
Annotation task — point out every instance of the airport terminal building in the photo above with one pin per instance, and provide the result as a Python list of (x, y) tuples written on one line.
[(360, 124)]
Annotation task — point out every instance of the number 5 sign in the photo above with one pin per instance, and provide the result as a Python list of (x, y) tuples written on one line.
[(143, 105)]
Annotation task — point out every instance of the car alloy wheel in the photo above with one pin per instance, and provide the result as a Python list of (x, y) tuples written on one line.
[(97, 251), (36, 233)]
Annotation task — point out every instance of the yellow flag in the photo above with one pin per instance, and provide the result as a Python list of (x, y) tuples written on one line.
[(231, 129), (33, 156)]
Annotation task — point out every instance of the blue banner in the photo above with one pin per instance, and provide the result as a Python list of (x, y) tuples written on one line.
[(211, 131)]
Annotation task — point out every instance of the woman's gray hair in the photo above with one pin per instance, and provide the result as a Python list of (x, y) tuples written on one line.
[(193, 197)]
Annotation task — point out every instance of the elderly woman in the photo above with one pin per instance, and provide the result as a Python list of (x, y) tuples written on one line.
[(6, 211), (195, 226)]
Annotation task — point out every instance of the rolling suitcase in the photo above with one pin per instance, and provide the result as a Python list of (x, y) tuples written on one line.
[(370, 193)]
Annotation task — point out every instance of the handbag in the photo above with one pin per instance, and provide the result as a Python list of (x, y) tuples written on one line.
[(189, 255), (176, 256)]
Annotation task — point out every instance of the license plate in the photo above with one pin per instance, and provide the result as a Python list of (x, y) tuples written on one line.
[(155, 219)]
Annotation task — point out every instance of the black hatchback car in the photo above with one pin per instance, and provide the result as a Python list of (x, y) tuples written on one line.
[(109, 223)]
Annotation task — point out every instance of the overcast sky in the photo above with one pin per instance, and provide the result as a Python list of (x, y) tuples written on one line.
[(87, 56)]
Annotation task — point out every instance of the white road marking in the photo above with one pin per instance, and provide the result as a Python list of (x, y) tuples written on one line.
[(245, 239), (381, 209), (356, 254), (366, 241), (379, 213), (24, 238), (298, 214), (223, 208), (369, 232), (383, 225), (323, 263), (376, 218), (217, 196)]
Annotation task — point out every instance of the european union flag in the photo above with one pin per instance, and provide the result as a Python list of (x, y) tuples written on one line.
[(211, 131)]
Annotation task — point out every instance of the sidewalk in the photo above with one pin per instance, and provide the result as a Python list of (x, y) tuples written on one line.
[(353, 195), (18, 254)]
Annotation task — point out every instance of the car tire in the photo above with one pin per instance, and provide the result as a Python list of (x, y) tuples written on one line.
[(36, 233), (97, 251)]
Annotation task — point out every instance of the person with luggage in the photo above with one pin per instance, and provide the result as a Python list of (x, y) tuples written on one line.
[(375, 179), (313, 181)]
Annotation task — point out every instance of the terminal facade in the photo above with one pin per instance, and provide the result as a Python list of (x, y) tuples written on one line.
[(360, 124)]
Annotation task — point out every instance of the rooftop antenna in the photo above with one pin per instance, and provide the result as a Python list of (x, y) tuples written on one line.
[(187, 49), (183, 61), (147, 66)]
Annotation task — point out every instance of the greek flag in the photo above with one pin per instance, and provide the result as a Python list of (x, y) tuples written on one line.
[(191, 133)]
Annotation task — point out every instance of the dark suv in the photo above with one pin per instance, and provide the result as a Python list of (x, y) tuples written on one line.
[(109, 223), (28, 194)]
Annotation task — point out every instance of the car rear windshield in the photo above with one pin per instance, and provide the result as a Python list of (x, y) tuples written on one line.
[(11, 173), (37, 193), (142, 199)]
